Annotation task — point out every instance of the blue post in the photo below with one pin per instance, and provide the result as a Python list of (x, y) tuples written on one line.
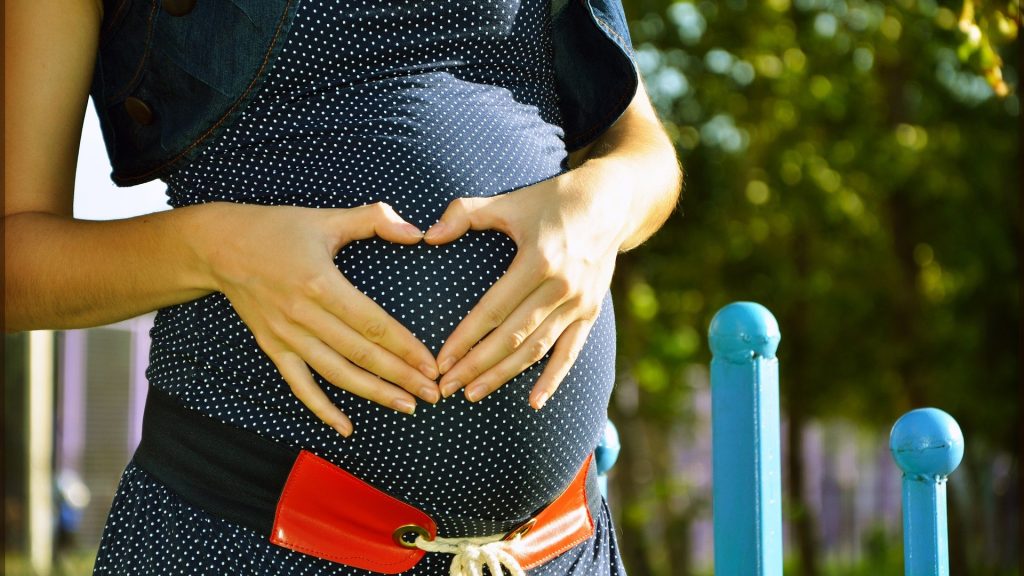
[(606, 453), (746, 472), (927, 445)]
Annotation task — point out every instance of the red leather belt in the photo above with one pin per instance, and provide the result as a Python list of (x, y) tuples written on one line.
[(307, 504)]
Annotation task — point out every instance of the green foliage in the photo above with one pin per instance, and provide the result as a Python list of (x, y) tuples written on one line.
[(984, 25), (832, 175), (848, 170)]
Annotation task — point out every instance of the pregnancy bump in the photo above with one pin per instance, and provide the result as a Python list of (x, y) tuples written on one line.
[(466, 142)]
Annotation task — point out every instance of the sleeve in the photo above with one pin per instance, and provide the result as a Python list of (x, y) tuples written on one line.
[(595, 66)]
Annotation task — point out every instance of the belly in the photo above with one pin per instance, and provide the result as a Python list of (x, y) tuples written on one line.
[(416, 142), (477, 468)]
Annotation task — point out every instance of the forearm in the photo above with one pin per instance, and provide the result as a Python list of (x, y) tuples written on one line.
[(62, 273), (637, 147)]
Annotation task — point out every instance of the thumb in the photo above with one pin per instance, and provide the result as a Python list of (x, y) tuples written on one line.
[(464, 214), (378, 219)]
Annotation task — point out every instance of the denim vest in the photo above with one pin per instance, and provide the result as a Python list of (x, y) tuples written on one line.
[(170, 74)]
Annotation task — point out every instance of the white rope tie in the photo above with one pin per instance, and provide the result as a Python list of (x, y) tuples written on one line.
[(472, 554)]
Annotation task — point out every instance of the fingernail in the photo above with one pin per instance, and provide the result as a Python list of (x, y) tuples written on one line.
[(446, 365), (430, 394), (542, 400), (436, 230), (404, 405), (450, 388), (343, 428), (412, 229), (473, 394), (429, 370)]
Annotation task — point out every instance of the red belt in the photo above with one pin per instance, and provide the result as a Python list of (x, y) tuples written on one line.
[(305, 503)]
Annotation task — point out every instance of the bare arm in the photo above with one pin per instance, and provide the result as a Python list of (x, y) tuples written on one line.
[(638, 142), (64, 273), (274, 263), (61, 272)]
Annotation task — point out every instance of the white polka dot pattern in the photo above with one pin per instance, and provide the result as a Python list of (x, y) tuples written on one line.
[(414, 104)]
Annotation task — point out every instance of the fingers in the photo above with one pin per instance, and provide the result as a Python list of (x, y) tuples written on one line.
[(293, 369), (462, 214), (341, 373), (494, 306), (339, 297), (562, 358), (532, 350), (378, 219), (508, 337), (369, 355)]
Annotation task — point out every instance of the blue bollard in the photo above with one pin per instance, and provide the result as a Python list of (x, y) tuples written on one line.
[(927, 445), (746, 467), (605, 455)]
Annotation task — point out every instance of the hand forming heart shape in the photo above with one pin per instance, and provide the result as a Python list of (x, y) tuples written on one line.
[(568, 231)]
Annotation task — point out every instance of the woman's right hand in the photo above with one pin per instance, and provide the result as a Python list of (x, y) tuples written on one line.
[(275, 265)]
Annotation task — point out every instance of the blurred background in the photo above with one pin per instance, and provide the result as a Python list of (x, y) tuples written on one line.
[(853, 165)]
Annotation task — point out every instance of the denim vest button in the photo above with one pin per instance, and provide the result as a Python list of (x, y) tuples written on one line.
[(178, 7), (138, 110)]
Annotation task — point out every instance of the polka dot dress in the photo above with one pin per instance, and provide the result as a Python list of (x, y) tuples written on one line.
[(414, 104)]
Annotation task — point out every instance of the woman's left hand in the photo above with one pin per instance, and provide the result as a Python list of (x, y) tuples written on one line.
[(568, 231)]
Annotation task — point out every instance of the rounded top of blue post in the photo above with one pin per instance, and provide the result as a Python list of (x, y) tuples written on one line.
[(927, 442), (742, 330), (607, 451)]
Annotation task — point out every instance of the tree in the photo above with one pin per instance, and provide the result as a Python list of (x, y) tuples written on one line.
[(849, 170)]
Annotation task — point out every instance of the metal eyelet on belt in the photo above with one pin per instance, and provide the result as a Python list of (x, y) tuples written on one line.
[(402, 533), (522, 530)]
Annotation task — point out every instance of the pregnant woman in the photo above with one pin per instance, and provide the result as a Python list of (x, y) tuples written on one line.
[(384, 259)]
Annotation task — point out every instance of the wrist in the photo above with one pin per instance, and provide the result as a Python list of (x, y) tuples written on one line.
[(605, 186), (201, 226)]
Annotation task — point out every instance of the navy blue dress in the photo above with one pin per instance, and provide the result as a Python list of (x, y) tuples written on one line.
[(414, 104)]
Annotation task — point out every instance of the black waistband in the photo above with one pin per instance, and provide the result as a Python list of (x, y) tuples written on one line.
[(229, 471)]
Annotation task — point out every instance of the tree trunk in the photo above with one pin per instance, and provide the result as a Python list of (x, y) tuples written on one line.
[(796, 333)]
